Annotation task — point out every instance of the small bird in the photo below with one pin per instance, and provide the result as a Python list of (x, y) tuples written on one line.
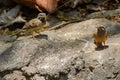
[(34, 26), (100, 36)]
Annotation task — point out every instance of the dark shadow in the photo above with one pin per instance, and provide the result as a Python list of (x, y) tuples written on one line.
[(114, 29), (42, 36), (6, 55), (106, 46), (101, 47)]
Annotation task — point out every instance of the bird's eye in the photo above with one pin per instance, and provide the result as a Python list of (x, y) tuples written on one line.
[(42, 19), (42, 16)]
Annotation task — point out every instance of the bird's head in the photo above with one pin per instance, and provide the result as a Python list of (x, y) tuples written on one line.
[(42, 17), (101, 30)]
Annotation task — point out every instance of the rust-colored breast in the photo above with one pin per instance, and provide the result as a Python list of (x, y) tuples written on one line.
[(100, 39)]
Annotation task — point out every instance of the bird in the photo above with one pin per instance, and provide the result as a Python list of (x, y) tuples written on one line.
[(100, 36), (35, 25)]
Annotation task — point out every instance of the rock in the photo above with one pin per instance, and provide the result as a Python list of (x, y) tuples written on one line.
[(104, 13), (16, 75), (118, 77), (11, 17), (82, 75), (29, 70), (82, 30), (4, 46), (18, 55), (7, 38), (37, 77), (49, 62), (66, 54)]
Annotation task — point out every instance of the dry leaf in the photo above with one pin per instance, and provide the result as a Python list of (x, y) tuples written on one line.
[(49, 5)]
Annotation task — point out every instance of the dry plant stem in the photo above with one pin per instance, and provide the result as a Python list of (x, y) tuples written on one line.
[(117, 1), (64, 23)]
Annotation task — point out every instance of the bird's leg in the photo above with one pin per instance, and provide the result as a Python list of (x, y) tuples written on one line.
[(95, 43), (104, 43), (33, 35), (99, 45)]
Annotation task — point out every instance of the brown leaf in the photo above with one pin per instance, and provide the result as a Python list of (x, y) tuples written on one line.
[(49, 5)]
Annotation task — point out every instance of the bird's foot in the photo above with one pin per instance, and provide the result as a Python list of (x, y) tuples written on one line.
[(101, 47)]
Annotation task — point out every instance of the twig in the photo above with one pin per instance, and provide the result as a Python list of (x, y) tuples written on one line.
[(65, 23)]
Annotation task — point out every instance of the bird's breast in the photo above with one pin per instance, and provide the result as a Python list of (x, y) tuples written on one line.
[(100, 38)]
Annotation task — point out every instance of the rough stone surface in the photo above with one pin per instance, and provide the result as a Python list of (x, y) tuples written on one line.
[(18, 55), (16, 75), (37, 77), (64, 54)]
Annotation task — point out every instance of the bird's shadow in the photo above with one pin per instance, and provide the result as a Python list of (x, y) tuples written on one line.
[(101, 47), (42, 36)]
